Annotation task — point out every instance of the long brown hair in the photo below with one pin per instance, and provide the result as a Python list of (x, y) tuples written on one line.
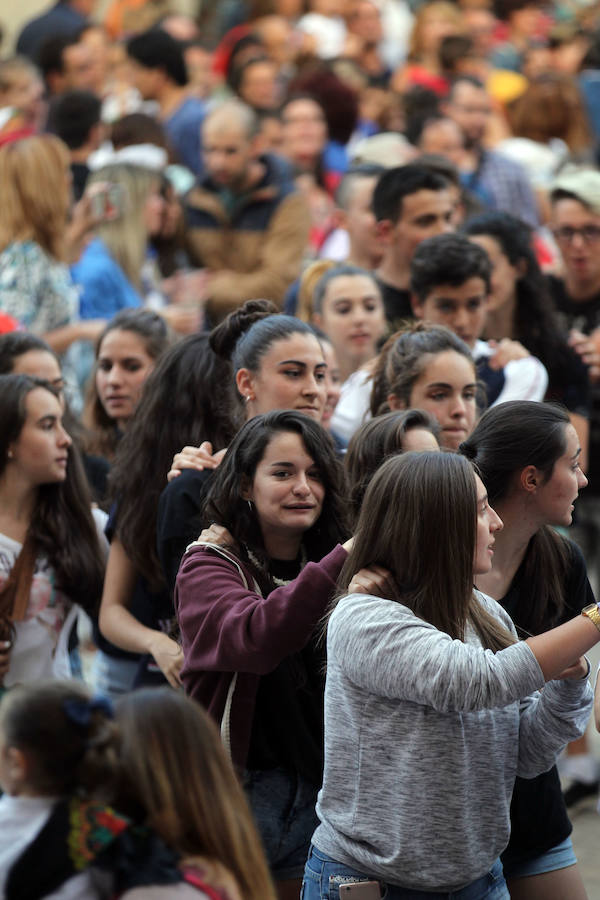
[(418, 520), (176, 770), (103, 436), (62, 527), (225, 502), (184, 400), (374, 442), (551, 107), (508, 438)]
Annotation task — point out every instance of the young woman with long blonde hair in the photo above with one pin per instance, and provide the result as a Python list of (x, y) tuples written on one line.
[(36, 241)]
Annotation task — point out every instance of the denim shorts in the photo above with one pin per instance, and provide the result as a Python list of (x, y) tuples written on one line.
[(323, 876), (560, 857), (283, 805)]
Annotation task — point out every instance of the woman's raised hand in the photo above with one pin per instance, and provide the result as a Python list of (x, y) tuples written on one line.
[(183, 319), (168, 656), (506, 351), (373, 580), (200, 458), (218, 534), (588, 348)]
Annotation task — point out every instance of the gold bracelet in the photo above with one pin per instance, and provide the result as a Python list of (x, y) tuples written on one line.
[(593, 613)]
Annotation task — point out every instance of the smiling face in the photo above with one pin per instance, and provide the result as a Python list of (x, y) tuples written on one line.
[(555, 497), (488, 523), (447, 389), (353, 319), (291, 375), (40, 453), (287, 492), (123, 366), (462, 309)]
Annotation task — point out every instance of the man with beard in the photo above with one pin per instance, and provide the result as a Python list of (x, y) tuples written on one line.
[(246, 223), (499, 182)]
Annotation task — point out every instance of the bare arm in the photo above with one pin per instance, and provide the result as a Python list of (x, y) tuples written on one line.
[(560, 649), (60, 339), (119, 626)]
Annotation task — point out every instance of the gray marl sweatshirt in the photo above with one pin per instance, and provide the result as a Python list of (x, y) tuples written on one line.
[(424, 736)]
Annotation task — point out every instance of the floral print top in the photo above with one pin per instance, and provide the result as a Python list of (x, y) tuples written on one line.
[(35, 288), (36, 638)]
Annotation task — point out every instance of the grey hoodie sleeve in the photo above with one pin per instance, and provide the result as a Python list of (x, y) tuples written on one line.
[(385, 649), (549, 721)]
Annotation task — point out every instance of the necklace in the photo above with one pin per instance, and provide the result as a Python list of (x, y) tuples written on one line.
[(280, 582)]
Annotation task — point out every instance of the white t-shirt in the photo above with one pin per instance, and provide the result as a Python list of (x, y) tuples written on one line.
[(352, 409), (330, 32), (524, 379)]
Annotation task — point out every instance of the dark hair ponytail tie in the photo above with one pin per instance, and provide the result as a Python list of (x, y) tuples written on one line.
[(79, 712)]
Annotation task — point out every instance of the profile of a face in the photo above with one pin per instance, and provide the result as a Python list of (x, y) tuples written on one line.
[(553, 498), (488, 523)]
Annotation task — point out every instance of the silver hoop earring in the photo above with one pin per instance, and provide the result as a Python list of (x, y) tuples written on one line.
[(250, 506)]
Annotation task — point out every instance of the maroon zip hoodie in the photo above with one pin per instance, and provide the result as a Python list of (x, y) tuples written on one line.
[(232, 635)]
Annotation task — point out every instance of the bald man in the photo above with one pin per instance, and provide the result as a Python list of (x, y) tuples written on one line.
[(246, 223)]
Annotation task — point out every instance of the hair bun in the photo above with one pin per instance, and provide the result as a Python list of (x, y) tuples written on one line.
[(225, 336)]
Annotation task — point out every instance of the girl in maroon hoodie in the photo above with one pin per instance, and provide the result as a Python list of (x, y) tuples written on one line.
[(248, 612)]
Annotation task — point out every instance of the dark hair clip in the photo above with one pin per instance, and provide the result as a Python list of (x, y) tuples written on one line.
[(79, 712)]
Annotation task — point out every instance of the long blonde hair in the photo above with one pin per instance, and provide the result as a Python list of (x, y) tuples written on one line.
[(441, 8), (126, 237), (34, 187), (175, 767)]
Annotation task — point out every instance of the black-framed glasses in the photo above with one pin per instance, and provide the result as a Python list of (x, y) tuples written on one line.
[(589, 234)]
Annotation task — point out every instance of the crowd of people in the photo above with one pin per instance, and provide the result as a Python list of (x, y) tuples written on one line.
[(299, 386)]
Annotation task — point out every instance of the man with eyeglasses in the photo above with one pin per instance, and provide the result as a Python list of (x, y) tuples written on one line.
[(575, 222)]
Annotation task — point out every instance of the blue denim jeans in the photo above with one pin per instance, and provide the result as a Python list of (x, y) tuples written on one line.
[(323, 876), (283, 806)]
